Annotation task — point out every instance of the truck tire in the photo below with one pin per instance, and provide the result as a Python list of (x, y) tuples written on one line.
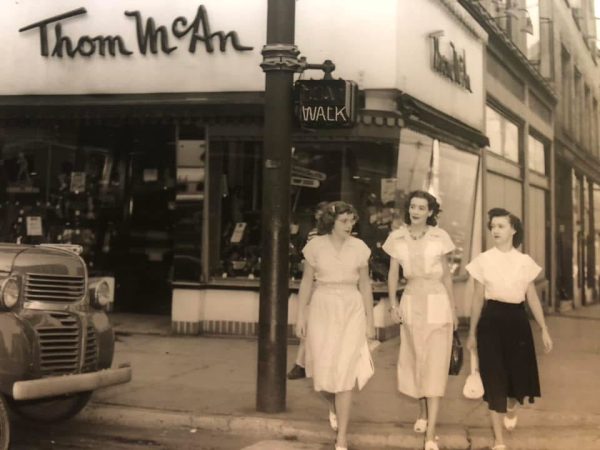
[(55, 409), (4, 424)]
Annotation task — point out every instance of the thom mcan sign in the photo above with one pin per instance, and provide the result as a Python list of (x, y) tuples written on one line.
[(326, 103), (153, 38)]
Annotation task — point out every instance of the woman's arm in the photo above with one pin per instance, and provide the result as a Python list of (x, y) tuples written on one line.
[(447, 280), (538, 314), (364, 286), (392, 282), (304, 294), (476, 305)]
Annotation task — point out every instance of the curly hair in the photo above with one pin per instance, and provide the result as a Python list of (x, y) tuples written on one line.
[(432, 205), (331, 213), (514, 221)]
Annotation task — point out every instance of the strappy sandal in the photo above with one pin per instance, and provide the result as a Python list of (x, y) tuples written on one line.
[(510, 423), (420, 426)]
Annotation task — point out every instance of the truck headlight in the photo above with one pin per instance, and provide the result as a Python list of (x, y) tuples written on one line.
[(9, 293), (102, 295)]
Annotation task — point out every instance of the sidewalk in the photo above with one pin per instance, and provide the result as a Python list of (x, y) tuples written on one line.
[(196, 382)]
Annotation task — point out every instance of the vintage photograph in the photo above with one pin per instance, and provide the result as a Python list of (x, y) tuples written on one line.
[(300, 224)]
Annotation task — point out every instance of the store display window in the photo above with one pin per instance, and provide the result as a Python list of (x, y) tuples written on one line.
[(374, 177)]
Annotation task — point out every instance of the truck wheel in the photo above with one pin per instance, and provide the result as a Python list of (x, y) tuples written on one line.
[(53, 409), (4, 424)]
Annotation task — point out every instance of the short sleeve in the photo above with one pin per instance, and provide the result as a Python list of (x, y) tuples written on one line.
[(475, 268), (364, 253), (531, 269), (310, 252), (390, 247), (447, 244)]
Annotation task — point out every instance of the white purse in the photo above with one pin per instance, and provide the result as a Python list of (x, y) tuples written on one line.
[(473, 388)]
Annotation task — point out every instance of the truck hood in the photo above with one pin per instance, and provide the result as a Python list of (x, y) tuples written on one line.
[(41, 260), (8, 253)]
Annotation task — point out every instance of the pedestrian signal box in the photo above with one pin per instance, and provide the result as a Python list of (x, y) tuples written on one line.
[(326, 103)]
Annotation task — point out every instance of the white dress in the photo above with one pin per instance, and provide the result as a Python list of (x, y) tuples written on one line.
[(426, 330), (337, 354)]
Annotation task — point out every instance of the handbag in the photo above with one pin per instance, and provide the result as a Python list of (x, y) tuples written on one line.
[(473, 388), (456, 356)]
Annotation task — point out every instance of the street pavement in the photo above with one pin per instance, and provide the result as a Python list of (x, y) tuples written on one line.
[(209, 383)]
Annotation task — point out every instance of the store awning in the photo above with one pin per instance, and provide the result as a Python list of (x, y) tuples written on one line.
[(140, 107), (416, 111)]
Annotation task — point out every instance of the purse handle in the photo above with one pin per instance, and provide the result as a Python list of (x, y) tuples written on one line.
[(474, 362)]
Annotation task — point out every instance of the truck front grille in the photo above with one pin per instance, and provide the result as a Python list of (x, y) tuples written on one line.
[(59, 345), (54, 288), (90, 362)]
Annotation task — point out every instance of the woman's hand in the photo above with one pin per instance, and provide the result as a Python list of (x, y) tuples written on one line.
[(301, 328), (547, 340), (371, 332), (395, 313), (471, 343)]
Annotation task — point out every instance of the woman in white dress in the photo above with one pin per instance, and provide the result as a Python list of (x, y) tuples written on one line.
[(499, 328), (426, 311), (340, 315)]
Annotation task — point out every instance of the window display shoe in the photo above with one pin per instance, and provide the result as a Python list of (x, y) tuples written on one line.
[(333, 421), (420, 426), (296, 373), (510, 423)]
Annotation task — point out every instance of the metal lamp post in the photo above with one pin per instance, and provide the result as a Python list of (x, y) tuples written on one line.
[(280, 61)]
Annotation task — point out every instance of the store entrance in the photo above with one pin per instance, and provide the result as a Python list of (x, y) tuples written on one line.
[(136, 212)]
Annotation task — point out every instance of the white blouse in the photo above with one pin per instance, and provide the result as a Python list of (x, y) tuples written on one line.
[(504, 275), (332, 266)]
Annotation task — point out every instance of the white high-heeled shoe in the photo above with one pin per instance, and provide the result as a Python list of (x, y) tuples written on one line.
[(510, 423), (333, 421), (420, 426), (431, 445)]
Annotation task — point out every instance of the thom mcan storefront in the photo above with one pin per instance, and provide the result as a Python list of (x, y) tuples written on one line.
[(136, 132)]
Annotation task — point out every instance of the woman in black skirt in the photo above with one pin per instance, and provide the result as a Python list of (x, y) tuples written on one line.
[(500, 328)]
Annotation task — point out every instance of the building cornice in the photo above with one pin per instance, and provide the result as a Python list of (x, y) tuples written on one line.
[(496, 36)]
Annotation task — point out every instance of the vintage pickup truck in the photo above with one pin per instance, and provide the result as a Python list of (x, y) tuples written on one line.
[(56, 342)]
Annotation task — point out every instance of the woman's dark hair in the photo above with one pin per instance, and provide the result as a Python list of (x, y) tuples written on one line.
[(432, 205), (331, 213), (515, 222)]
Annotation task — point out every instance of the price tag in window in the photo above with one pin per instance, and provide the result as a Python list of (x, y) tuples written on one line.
[(238, 233), (34, 225)]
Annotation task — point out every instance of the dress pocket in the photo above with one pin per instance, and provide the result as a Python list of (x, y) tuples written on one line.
[(438, 309)]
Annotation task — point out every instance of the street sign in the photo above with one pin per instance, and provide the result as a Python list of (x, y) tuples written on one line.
[(304, 182), (326, 103), (308, 173)]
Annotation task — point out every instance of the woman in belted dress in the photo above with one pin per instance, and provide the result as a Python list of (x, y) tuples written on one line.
[(426, 310), (340, 315), (499, 328)]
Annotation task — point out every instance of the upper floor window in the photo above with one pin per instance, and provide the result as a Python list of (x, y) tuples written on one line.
[(503, 135), (537, 155)]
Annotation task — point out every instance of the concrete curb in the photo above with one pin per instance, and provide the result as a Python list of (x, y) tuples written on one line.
[(372, 435)]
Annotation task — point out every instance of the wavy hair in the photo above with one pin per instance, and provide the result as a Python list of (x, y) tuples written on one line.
[(330, 214), (514, 221), (432, 205)]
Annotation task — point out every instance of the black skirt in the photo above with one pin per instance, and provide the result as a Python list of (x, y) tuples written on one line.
[(507, 361)]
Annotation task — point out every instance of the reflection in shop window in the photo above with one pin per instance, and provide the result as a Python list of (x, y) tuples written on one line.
[(503, 135), (448, 173)]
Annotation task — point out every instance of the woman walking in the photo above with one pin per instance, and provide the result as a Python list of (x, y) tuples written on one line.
[(340, 314), (500, 329), (426, 311)]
